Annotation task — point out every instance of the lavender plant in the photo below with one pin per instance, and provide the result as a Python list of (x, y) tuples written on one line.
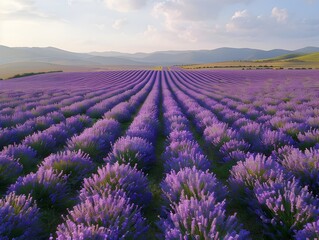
[(285, 207), (113, 215), (191, 183), (19, 218), (118, 177), (202, 219), (47, 187), (132, 150), (76, 165)]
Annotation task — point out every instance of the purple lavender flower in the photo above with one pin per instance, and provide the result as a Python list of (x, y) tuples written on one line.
[(310, 231), (313, 122), (118, 177), (285, 207), (218, 134), (107, 126), (70, 230), (234, 149), (59, 132), (184, 159), (132, 150), (293, 129), (272, 140), (95, 145), (78, 123), (191, 183), (121, 112), (43, 143), (282, 152), (56, 116), (115, 214), (308, 139), (10, 170), (305, 166), (76, 165), (19, 218), (43, 122), (175, 148), (202, 219), (251, 133), (178, 136), (24, 154), (47, 187), (246, 174)]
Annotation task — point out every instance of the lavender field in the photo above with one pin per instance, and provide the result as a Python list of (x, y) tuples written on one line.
[(170, 154)]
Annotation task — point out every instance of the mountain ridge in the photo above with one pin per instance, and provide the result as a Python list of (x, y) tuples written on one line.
[(54, 55)]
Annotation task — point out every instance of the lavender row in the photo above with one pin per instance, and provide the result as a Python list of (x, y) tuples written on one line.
[(43, 143), (97, 141), (293, 113), (117, 190), (283, 205), (302, 164), (51, 168), (9, 136), (26, 115), (304, 171), (194, 199)]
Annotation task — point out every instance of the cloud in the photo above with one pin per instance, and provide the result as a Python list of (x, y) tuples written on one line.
[(22, 9), (125, 5), (193, 10), (280, 15), (119, 23), (190, 20), (274, 26)]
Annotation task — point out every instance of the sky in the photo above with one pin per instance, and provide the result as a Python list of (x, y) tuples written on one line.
[(157, 25)]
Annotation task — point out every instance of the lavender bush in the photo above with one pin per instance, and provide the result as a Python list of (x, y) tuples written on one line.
[(118, 177), (48, 188), (19, 218), (132, 150), (76, 165), (114, 216), (202, 219)]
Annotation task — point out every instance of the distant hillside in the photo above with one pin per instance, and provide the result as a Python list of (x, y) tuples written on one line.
[(295, 57), (311, 57), (61, 57), (14, 60), (57, 56)]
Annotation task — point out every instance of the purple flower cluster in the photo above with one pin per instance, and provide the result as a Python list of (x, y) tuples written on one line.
[(25, 155), (118, 177), (285, 207), (255, 169), (112, 217), (304, 165), (76, 165), (96, 141), (41, 142), (19, 218), (133, 151), (202, 219), (48, 188), (218, 134), (191, 183), (10, 169), (310, 231), (308, 139)]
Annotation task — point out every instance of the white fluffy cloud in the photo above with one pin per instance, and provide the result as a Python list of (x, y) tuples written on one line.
[(191, 20), (280, 15), (125, 5)]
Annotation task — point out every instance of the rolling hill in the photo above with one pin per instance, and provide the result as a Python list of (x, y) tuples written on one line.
[(14, 60)]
